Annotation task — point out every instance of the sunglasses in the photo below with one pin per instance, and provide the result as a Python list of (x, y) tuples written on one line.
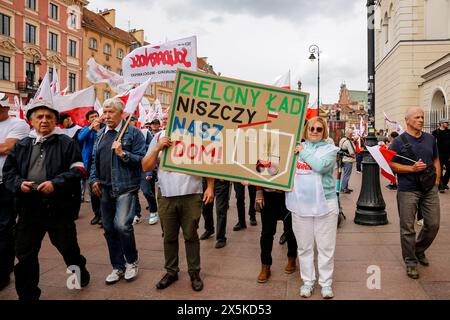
[(316, 129)]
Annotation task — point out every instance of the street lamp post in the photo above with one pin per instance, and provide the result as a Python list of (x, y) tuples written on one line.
[(314, 49), (370, 208)]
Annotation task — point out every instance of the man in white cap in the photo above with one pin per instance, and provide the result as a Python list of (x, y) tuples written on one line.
[(442, 135), (11, 130), (42, 171)]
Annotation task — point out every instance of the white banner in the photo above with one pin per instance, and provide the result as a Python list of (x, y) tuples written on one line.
[(160, 62)]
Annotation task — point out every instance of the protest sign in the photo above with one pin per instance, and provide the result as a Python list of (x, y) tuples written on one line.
[(234, 130), (160, 61)]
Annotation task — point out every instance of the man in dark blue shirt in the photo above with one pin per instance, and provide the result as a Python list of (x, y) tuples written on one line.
[(420, 147)]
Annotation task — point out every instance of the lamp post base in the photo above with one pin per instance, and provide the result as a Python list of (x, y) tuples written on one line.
[(370, 208)]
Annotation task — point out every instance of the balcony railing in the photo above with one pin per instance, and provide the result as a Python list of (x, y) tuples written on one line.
[(25, 86)]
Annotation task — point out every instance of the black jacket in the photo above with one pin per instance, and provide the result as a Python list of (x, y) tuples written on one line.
[(61, 153)]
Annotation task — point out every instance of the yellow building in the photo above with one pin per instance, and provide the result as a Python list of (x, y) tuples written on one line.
[(412, 41), (107, 44)]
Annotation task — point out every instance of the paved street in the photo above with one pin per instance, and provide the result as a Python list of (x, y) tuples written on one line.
[(230, 273)]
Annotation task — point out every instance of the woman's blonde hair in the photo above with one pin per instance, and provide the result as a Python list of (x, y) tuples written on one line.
[(310, 122)]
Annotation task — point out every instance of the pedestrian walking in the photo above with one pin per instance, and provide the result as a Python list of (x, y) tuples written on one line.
[(115, 178), (314, 206), (43, 170), (418, 182)]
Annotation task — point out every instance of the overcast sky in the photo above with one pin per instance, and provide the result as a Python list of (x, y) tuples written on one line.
[(258, 40)]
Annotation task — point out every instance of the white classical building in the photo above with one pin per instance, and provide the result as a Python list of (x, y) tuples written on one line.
[(412, 59)]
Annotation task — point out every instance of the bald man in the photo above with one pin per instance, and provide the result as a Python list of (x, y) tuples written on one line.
[(413, 193)]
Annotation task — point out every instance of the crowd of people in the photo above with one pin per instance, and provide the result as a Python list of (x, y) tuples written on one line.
[(47, 171)]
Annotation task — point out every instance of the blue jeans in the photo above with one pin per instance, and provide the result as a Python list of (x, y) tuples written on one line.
[(347, 173), (117, 216), (359, 159), (147, 187)]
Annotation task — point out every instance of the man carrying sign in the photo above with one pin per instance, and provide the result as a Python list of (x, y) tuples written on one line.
[(180, 205)]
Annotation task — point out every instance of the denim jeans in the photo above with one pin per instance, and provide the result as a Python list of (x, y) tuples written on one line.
[(147, 187), (239, 188), (359, 159), (117, 216), (408, 205), (7, 222), (221, 198), (346, 176)]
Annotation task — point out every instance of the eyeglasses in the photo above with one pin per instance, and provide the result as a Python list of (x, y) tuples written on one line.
[(316, 129)]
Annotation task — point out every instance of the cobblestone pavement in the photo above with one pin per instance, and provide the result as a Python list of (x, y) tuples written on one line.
[(231, 272)]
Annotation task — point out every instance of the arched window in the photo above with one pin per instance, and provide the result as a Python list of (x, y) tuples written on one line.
[(119, 53), (92, 43), (107, 49)]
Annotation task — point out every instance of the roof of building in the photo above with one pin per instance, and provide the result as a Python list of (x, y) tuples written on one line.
[(98, 23), (358, 96)]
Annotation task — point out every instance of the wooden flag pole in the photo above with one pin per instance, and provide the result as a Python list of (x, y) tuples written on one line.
[(125, 127)]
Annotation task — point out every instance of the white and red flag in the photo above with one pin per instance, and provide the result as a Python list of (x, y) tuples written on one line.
[(96, 73), (160, 62), (132, 98), (394, 123), (312, 111), (54, 85), (76, 104), (44, 91), (283, 81), (383, 156)]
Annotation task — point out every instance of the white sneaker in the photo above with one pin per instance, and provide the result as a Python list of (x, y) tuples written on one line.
[(306, 291), (136, 220), (131, 270), (114, 277), (154, 218), (327, 292), (420, 222)]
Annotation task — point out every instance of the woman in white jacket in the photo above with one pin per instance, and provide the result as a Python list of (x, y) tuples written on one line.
[(314, 207)]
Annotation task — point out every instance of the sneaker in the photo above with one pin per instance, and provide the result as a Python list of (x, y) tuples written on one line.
[(131, 270), (327, 292), (154, 218), (412, 272), (420, 222), (114, 276), (306, 291), (136, 220), (423, 260)]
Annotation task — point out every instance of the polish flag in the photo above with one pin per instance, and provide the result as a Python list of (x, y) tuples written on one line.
[(44, 91), (383, 156), (132, 98), (312, 111), (283, 81), (76, 104), (54, 85)]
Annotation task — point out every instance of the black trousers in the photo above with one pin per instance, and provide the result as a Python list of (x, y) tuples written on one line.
[(30, 230), (445, 163), (222, 190), (239, 188), (7, 222), (274, 210)]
